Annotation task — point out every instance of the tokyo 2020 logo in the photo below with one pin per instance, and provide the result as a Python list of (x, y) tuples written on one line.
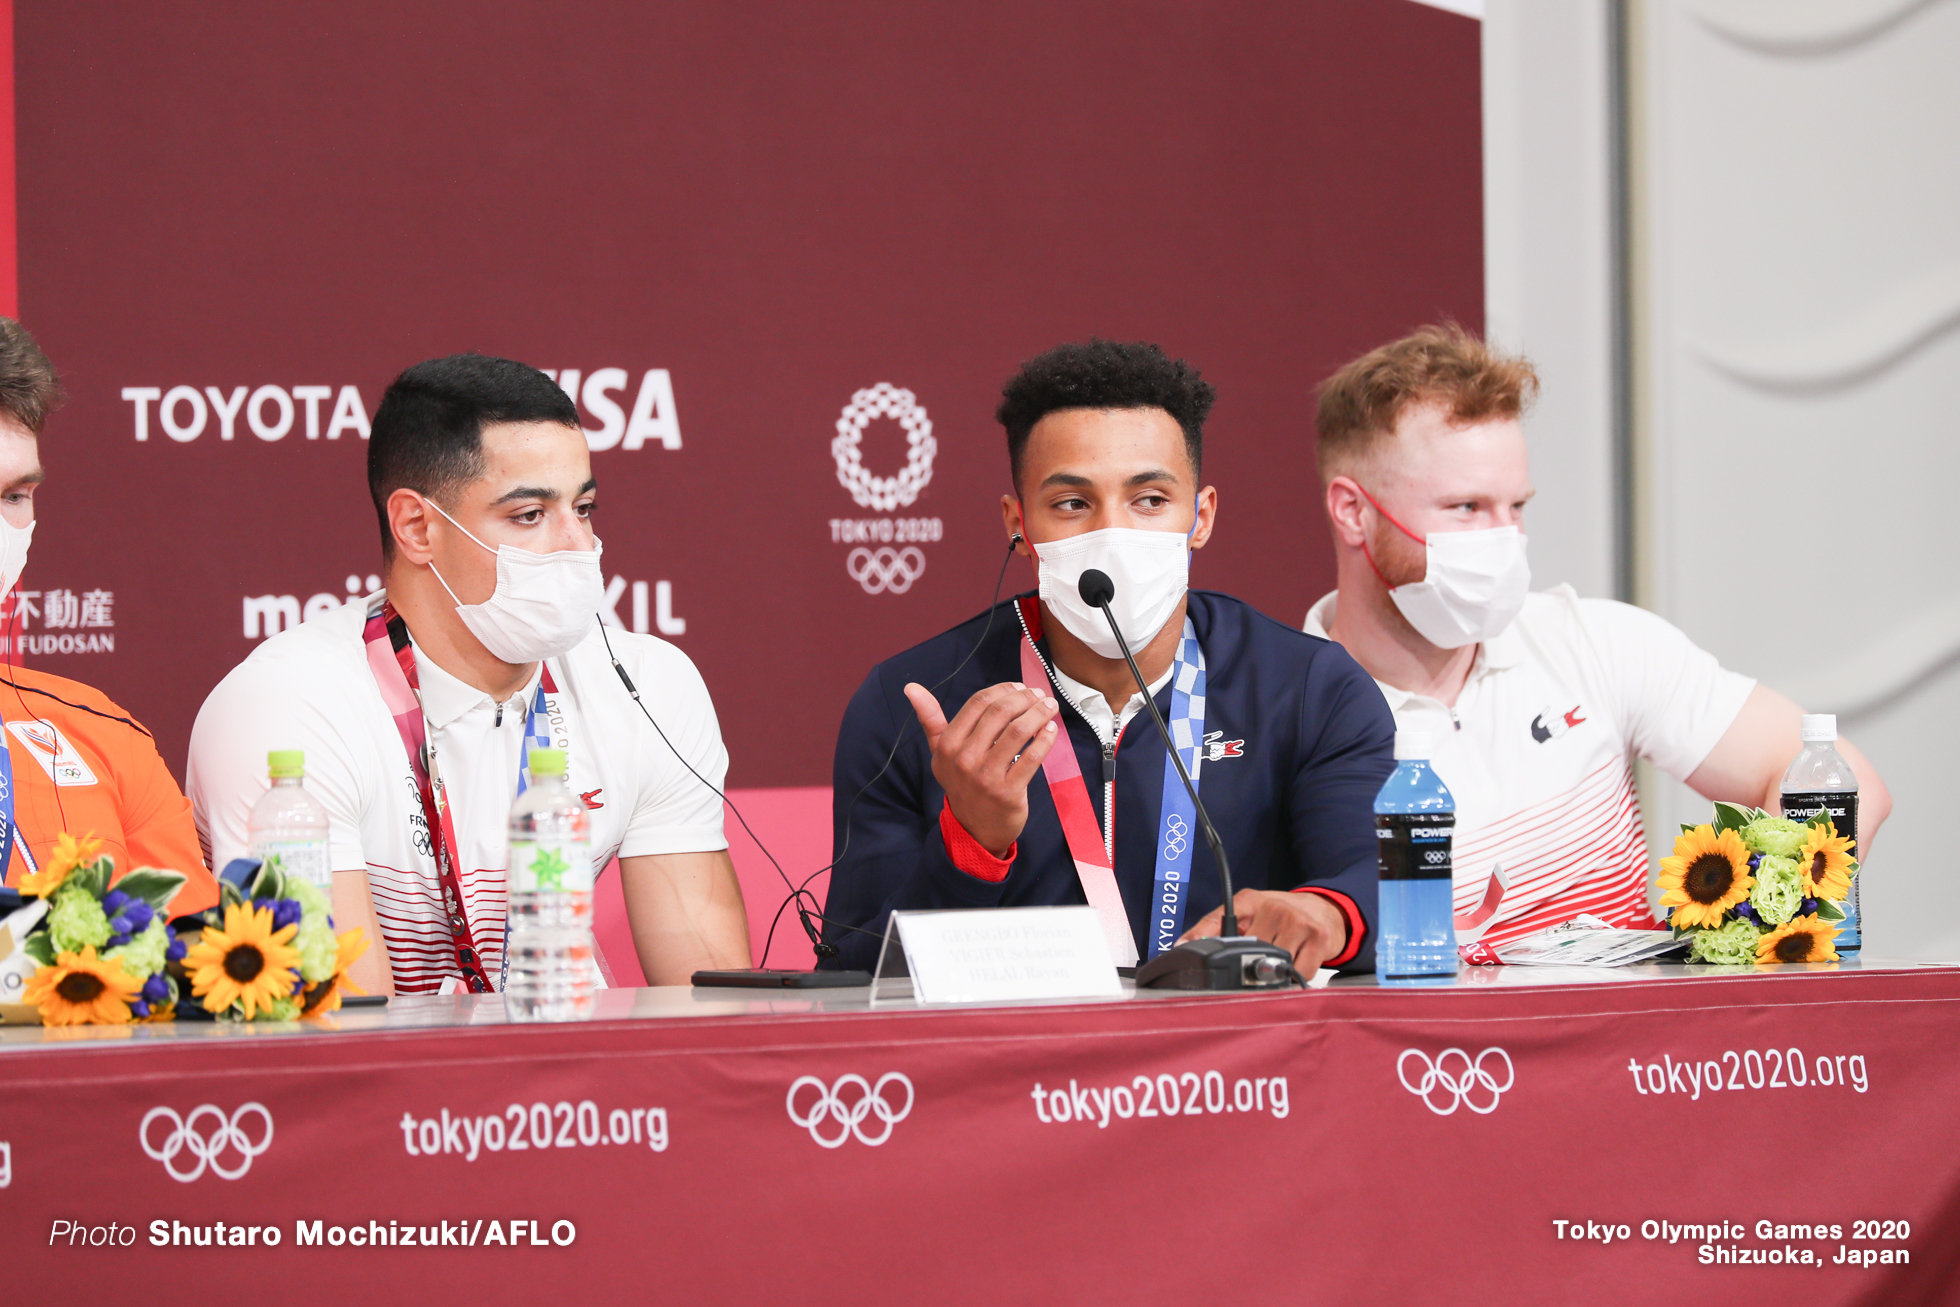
[(884, 494)]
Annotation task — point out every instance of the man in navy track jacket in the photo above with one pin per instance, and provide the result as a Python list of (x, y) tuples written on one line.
[(1291, 737)]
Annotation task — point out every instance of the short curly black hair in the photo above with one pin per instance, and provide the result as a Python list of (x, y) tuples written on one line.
[(1104, 374)]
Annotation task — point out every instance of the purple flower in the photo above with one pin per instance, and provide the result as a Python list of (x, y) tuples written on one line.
[(1807, 907), (156, 989), (285, 912), (117, 941), (113, 902), (140, 1007), (177, 949), (299, 986), (1755, 861), (1747, 911), (132, 917)]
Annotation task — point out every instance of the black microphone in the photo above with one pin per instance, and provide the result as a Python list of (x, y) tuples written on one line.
[(1229, 961)]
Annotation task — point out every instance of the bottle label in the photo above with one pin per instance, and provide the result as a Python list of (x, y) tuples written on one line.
[(1414, 845), (1802, 805), (301, 859), (540, 865)]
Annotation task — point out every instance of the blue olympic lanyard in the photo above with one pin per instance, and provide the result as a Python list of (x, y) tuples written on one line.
[(1178, 836), (11, 834), (537, 731)]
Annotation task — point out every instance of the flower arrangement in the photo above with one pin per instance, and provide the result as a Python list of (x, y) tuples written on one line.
[(101, 955), (268, 951), (93, 954), (1751, 887)]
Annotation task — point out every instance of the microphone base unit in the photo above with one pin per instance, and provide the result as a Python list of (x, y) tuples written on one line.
[(1236, 962)]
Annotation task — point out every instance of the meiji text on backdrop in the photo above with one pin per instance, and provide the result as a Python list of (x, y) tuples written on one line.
[(483, 488), (986, 804), (1538, 702), (79, 762)]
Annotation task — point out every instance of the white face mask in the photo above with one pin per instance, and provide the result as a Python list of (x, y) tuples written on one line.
[(1475, 585), (14, 541), (1151, 569), (544, 604)]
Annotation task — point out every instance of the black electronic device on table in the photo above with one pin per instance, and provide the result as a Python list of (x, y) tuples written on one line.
[(1228, 960), (762, 978), (364, 1000)]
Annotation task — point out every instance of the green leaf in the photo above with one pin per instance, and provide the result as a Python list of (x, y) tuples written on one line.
[(1828, 910), (1687, 828), (93, 878), (1729, 816), (270, 883), (1822, 817), (228, 896), (154, 887), (39, 947)]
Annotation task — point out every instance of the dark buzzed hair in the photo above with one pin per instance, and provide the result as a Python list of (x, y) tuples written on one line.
[(1104, 374), (428, 433), (29, 388)]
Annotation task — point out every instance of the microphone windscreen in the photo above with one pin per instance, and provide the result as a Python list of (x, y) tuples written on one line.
[(1096, 588)]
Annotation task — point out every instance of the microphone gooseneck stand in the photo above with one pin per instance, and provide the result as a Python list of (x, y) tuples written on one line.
[(1227, 960)]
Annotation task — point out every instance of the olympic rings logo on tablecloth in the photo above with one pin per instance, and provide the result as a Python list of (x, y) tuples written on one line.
[(883, 494), (885, 569), (185, 1137), (1174, 832), (831, 1105), (1462, 1087)]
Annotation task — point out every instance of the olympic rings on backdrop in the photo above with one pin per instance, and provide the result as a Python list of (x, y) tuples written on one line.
[(1458, 1085), (225, 1133), (830, 1105), (886, 568)]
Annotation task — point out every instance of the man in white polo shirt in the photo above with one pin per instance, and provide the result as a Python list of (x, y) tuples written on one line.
[(1537, 703), (485, 642)]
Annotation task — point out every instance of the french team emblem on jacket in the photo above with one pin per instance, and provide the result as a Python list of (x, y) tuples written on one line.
[(1217, 746)]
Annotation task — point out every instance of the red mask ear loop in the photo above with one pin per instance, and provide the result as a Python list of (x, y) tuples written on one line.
[(1366, 553)]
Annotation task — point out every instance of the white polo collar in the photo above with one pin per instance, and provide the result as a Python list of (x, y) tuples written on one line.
[(1497, 654), (447, 700)]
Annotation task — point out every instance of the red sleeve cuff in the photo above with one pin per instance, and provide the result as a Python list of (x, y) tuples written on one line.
[(968, 854), (1357, 927)]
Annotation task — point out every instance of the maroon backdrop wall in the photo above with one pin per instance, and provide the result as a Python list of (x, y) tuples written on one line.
[(775, 206)]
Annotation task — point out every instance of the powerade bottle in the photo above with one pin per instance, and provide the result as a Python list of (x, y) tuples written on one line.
[(550, 880), (1415, 820), (288, 826), (1818, 780)]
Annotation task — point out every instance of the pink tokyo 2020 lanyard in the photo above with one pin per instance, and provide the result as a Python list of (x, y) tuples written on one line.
[(392, 659), (1071, 795)]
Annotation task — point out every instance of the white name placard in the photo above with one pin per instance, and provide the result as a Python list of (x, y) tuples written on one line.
[(990, 955)]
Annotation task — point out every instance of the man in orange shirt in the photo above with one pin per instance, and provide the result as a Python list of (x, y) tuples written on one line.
[(72, 760)]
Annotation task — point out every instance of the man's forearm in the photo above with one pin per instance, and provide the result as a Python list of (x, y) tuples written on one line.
[(353, 906), (686, 914)]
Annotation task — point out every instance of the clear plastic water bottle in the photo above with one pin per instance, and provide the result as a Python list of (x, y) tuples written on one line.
[(1415, 821), (550, 879), (288, 826), (1821, 779)]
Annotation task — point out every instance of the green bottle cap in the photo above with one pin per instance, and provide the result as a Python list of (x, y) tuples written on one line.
[(286, 762), (547, 762)]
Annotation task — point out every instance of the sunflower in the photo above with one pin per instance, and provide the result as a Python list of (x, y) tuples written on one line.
[(69, 853), (1805, 939), (325, 996), (83, 989), (1708, 875), (247, 962), (1826, 863)]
